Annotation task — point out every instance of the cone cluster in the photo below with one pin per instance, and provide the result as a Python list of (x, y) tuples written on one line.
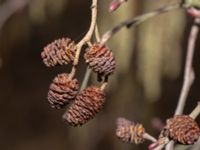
[(59, 52), (182, 129), (129, 132), (62, 90), (100, 59), (86, 105)]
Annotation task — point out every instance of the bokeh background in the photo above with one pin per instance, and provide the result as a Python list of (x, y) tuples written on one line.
[(145, 86)]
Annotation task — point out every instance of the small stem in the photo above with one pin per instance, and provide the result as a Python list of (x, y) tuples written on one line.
[(97, 34), (149, 137), (161, 143), (86, 79), (103, 86), (86, 38), (137, 20), (194, 114)]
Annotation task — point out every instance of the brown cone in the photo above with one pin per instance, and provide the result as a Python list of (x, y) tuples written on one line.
[(59, 52), (100, 60), (62, 90), (129, 131), (86, 105), (182, 129)]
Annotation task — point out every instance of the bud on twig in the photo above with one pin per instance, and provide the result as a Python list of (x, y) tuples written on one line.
[(115, 4)]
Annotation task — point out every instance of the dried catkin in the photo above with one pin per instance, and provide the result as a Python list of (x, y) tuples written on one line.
[(59, 52), (86, 105), (62, 90)]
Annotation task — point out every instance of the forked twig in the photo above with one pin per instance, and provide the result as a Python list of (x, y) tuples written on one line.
[(188, 74), (86, 38)]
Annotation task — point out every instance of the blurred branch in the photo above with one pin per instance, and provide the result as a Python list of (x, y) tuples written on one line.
[(137, 20), (10, 7), (86, 79), (196, 111)]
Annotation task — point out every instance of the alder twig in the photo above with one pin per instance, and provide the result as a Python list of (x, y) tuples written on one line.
[(196, 111), (103, 86), (97, 34), (149, 137), (86, 38), (137, 20), (188, 73)]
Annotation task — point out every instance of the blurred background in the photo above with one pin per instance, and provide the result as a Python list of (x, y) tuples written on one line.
[(145, 86)]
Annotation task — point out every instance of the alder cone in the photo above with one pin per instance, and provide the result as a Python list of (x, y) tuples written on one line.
[(59, 52), (62, 90), (101, 60), (86, 105), (182, 129), (129, 131)]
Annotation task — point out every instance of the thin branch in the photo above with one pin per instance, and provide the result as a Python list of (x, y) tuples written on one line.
[(149, 137), (196, 111), (97, 34), (137, 20), (86, 38), (103, 86), (188, 74)]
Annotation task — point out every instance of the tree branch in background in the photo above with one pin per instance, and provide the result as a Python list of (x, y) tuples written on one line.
[(188, 74), (9, 8), (137, 20)]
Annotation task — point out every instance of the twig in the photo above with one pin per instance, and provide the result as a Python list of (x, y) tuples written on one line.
[(188, 74), (137, 20), (97, 34), (89, 71), (86, 38), (149, 137), (103, 86), (196, 111), (9, 8), (160, 144)]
